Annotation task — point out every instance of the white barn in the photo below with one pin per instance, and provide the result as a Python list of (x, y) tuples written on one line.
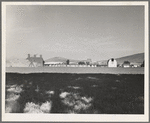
[(112, 63)]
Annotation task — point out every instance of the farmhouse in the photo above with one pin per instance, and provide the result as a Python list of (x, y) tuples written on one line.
[(35, 61), (112, 62), (126, 64)]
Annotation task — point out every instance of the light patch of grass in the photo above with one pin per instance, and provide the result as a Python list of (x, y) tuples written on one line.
[(81, 106), (46, 107), (12, 105), (92, 78), (31, 107), (15, 89), (86, 99), (74, 87), (50, 92), (76, 103), (12, 95), (64, 94)]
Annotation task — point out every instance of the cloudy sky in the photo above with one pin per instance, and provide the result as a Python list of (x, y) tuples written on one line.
[(74, 32)]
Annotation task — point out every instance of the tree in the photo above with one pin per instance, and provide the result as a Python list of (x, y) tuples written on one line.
[(81, 63), (67, 62), (88, 63), (126, 62), (142, 65)]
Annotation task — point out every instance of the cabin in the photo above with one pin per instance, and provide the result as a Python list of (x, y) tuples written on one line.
[(112, 63), (35, 61)]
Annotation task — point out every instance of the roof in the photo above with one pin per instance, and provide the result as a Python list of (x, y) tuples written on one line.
[(126, 63), (112, 59)]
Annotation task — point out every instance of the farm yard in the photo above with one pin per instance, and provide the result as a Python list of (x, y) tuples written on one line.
[(74, 93)]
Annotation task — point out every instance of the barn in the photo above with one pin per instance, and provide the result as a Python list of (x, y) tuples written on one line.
[(112, 62), (35, 61)]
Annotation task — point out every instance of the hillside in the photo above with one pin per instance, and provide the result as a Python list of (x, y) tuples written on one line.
[(56, 59), (60, 59), (15, 62), (135, 58), (132, 58)]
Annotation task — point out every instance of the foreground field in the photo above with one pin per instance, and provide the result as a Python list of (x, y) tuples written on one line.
[(74, 93), (118, 70)]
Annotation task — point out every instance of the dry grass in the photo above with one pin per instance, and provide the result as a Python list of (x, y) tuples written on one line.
[(75, 103), (12, 96), (31, 107), (75, 93)]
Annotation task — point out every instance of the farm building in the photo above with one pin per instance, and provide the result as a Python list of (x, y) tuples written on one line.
[(112, 62), (85, 62), (102, 63), (52, 63), (35, 61), (135, 64), (126, 64), (60, 61), (55, 61)]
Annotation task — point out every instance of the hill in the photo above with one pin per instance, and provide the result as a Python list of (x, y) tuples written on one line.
[(56, 59), (60, 59), (15, 62), (138, 58), (135, 58)]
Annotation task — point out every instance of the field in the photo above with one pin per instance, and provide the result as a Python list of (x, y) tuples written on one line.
[(74, 93), (118, 70)]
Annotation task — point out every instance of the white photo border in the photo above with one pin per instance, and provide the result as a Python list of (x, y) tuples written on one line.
[(79, 117)]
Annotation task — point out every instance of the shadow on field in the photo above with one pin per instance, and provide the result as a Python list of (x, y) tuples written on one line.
[(74, 93)]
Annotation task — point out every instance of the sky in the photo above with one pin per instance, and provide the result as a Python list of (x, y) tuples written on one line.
[(74, 32)]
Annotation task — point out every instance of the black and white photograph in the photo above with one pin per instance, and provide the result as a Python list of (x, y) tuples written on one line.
[(75, 61)]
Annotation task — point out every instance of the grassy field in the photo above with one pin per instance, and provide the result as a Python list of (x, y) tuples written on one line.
[(118, 70), (75, 93)]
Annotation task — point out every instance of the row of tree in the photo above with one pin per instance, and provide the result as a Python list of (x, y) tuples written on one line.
[(79, 63)]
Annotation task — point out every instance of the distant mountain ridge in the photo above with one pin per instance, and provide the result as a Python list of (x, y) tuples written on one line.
[(138, 58)]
